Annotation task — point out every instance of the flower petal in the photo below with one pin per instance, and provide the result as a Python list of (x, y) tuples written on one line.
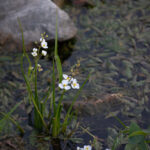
[(44, 53), (65, 76), (38, 65), (65, 82), (77, 86), (67, 87), (34, 54), (74, 81), (44, 44), (87, 147), (35, 50), (61, 85), (72, 86)]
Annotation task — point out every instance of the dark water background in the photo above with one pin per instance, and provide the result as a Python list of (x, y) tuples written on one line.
[(113, 44)]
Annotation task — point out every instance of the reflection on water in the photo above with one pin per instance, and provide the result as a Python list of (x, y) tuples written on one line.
[(113, 45)]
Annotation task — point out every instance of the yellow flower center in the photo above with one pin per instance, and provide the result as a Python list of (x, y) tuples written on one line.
[(75, 84), (65, 85)]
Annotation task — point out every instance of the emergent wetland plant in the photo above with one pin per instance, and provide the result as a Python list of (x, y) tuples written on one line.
[(48, 109)]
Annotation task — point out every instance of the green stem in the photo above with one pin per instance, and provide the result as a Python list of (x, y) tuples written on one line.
[(31, 94), (14, 122), (70, 108)]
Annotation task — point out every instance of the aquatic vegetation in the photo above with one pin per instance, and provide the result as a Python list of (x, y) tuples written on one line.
[(114, 46), (132, 137), (95, 143), (8, 117), (48, 109)]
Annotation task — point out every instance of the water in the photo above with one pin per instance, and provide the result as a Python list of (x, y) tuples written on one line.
[(113, 46)]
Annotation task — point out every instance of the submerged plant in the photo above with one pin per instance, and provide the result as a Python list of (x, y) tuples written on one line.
[(95, 143), (8, 117), (133, 137)]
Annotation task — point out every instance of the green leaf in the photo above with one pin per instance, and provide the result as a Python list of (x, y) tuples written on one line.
[(76, 140), (130, 147), (143, 146), (59, 67), (138, 133), (120, 122), (134, 127), (135, 139), (57, 59), (70, 108)]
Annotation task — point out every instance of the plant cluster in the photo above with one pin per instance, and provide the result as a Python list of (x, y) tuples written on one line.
[(132, 137), (48, 110)]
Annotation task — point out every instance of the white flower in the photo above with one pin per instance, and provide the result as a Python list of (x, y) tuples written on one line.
[(66, 77), (87, 147), (74, 84), (38, 65), (41, 39), (35, 50), (31, 68), (107, 149), (78, 148), (44, 53), (64, 85), (72, 80), (39, 68), (34, 54), (44, 44)]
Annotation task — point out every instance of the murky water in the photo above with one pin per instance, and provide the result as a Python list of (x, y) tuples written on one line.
[(113, 44)]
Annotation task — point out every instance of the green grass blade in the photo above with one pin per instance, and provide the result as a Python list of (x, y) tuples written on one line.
[(57, 59), (47, 95), (53, 87), (31, 94), (57, 115), (23, 44), (14, 122), (138, 133), (35, 86), (7, 116), (12, 110), (52, 101), (70, 108), (120, 122)]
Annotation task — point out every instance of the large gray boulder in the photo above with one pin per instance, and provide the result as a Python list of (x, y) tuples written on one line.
[(36, 16)]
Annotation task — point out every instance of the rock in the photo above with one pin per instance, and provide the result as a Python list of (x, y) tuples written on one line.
[(36, 16), (59, 3)]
